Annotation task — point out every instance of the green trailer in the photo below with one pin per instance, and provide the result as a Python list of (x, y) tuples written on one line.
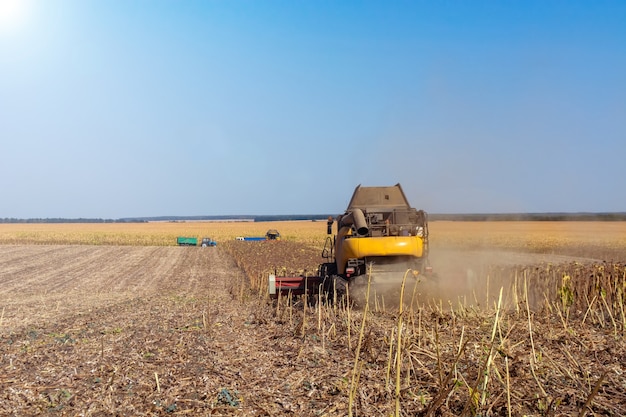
[(187, 241)]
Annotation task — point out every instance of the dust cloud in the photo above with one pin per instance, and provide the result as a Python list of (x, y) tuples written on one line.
[(460, 278)]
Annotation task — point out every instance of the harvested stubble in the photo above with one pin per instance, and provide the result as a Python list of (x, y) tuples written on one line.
[(551, 343), (565, 356), (493, 361)]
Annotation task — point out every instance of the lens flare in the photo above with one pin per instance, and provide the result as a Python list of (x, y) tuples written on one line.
[(13, 14)]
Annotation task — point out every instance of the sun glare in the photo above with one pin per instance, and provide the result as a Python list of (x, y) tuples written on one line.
[(13, 14)]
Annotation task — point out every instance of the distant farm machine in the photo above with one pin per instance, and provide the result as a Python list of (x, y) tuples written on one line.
[(378, 238), (193, 241), (271, 234)]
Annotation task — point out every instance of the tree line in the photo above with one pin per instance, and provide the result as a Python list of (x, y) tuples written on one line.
[(319, 217)]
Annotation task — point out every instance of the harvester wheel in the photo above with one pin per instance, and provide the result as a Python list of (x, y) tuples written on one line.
[(328, 272), (328, 286), (334, 288)]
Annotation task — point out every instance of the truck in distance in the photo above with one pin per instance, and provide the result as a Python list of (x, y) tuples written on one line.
[(186, 241)]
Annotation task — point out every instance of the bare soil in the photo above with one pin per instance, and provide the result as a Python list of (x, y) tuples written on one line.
[(127, 331)]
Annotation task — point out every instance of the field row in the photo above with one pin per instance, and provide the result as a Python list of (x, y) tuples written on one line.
[(528, 236), (526, 336), (127, 330)]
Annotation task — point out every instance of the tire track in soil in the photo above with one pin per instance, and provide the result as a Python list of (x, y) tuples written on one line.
[(54, 281), (20, 262), (89, 329), (99, 342)]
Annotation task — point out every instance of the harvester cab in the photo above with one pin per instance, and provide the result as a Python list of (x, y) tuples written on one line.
[(379, 236)]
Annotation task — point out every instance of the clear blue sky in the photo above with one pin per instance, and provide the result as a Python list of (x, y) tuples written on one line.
[(119, 108)]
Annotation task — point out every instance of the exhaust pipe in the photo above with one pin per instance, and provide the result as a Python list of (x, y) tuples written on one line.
[(356, 218)]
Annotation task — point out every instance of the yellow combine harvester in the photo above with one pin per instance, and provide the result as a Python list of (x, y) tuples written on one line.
[(379, 235)]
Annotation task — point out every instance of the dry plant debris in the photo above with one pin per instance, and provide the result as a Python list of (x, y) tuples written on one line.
[(156, 330)]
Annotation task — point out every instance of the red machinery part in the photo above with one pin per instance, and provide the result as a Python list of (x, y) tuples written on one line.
[(293, 285)]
